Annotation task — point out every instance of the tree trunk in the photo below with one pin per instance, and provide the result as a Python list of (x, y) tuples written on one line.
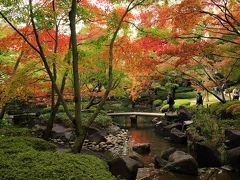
[(3, 110), (76, 82), (47, 132)]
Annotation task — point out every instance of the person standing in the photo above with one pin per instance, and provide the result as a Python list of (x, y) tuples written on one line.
[(235, 93), (199, 100), (170, 102)]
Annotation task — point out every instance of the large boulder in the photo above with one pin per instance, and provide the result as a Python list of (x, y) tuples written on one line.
[(159, 127), (141, 148), (124, 167), (233, 156), (159, 162), (178, 136), (182, 162), (167, 129), (232, 138), (184, 114), (96, 137), (165, 154), (207, 155), (137, 157), (113, 129), (162, 160)]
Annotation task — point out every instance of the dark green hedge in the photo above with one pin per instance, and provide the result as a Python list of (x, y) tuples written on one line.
[(20, 158)]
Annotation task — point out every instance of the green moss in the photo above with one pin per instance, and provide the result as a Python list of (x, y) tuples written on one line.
[(20, 159), (178, 103)]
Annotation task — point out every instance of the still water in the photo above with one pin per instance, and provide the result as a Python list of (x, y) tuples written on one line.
[(144, 133)]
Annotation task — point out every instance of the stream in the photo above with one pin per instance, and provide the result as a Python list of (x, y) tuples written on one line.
[(144, 133)]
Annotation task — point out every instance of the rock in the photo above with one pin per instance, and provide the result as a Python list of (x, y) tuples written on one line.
[(182, 162), (137, 157), (167, 129), (227, 168), (233, 156), (141, 148), (232, 138), (195, 137), (165, 154), (124, 167), (186, 124), (155, 120), (207, 155), (97, 138), (159, 162), (178, 136), (184, 114), (68, 135), (101, 144), (159, 127), (146, 173)]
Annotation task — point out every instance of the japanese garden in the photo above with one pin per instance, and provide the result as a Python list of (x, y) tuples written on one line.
[(131, 89)]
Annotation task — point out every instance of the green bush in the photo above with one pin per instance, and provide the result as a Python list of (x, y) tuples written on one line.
[(184, 89), (13, 145), (12, 131), (61, 117), (48, 109), (178, 102), (19, 159), (205, 125), (221, 110), (186, 95), (162, 94), (157, 102), (102, 119), (231, 123)]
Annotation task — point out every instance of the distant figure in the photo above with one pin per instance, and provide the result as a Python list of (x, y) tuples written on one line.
[(235, 93), (199, 100), (224, 86), (170, 102)]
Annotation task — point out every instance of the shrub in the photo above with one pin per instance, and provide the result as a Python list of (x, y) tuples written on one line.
[(102, 119), (231, 123), (233, 110), (205, 125), (12, 131), (220, 110), (157, 102), (178, 102), (186, 95), (13, 145), (19, 159)]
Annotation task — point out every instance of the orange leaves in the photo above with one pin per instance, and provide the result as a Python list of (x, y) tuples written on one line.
[(187, 15), (47, 38)]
